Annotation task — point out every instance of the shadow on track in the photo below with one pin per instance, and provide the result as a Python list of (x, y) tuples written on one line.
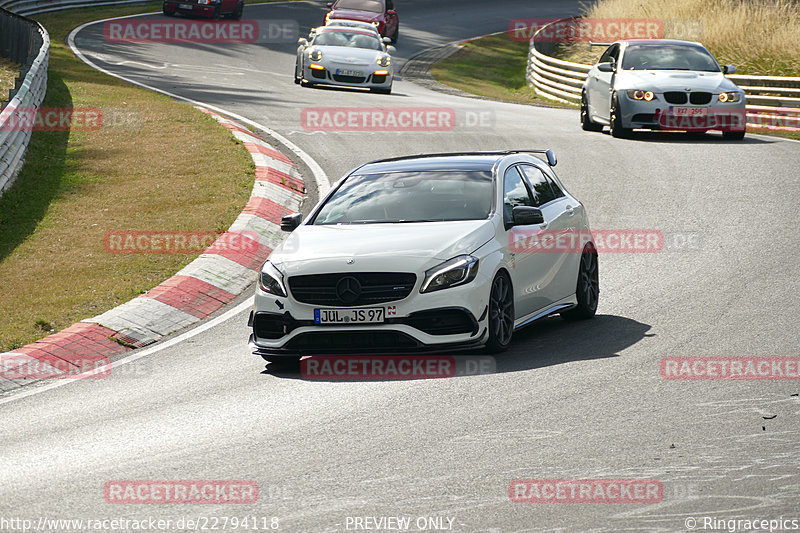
[(549, 342)]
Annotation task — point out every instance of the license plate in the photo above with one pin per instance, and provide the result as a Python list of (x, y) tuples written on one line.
[(689, 111), (345, 72), (369, 315), (185, 6)]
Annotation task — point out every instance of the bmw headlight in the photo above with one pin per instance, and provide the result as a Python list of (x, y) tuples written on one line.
[(271, 280), (315, 54), (384, 61), (639, 94), (729, 98), (457, 271)]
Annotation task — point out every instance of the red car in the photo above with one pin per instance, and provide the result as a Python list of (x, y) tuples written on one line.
[(379, 12), (205, 8)]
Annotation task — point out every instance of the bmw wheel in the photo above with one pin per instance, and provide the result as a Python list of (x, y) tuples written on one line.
[(587, 290), (501, 314), (586, 122), (615, 124)]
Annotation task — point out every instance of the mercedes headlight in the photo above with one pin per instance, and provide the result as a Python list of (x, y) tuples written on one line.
[(729, 98), (315, 54), (457, 271), (271, 280), (639, 94), (384, 61)]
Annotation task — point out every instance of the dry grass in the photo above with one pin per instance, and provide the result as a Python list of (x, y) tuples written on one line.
[(759, 37), (172, 168), (8, 73)]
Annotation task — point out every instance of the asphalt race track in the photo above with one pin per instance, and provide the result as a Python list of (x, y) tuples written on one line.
[(570, 401)]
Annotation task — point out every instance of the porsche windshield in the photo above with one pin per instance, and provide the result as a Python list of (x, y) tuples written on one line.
[(428, 196), (353, 39), (668, 57)]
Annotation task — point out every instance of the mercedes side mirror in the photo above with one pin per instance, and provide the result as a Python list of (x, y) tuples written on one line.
[(524, 215), (728, 69), (290, 222), (605, 67)]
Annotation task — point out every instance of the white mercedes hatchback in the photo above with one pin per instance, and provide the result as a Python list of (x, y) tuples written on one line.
[(429, 253)]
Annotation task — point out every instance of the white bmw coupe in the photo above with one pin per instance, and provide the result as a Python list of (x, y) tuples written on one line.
[(427, 253), (661, 84)]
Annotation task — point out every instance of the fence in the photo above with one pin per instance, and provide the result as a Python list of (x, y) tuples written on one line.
[(32, 7), (772, 101), (27, 43)]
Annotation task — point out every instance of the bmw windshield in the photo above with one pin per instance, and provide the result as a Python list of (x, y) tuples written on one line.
[(668, 57), (396, 197)]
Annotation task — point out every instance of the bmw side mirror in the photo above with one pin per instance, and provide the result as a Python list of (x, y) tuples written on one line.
[(391, 12), (524, 215), (290, 222), (302, 41), (330, 4), (728, 69), (391, 49), (605, 67)]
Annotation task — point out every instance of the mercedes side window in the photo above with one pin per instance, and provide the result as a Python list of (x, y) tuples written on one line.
[(515, 193), (539, 184), (610, 55)]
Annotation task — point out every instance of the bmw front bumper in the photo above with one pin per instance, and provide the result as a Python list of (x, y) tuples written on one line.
[(658, 114)]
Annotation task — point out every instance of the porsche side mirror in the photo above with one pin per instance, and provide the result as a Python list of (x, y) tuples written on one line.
[(524, 215), (290, 222), (391, 49), (387, 40), (302, 41)]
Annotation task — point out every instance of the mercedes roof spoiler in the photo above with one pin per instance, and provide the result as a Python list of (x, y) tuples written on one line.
[(549, 155)]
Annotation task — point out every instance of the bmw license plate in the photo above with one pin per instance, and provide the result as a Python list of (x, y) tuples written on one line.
[(185, 6), (369, 315), (688, 111), (354, 73)]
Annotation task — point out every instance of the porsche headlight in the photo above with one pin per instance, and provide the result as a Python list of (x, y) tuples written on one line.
[(315, 54), (328, 17), (384, 61), (639, 94), (457, 271), (729, 98), (271, 280)]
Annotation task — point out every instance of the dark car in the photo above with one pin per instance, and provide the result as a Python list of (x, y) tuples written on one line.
[(205, 8), (379, 12)]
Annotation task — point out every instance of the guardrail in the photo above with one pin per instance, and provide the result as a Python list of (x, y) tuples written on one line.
[(773, 102), (26, 42), (33, 7)]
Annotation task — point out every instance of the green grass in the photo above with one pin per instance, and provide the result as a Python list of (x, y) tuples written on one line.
[(78, 185), (493, 67), (8, 73)]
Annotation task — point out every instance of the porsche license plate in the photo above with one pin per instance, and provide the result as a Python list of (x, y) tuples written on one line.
[(688, 111), (354, 73), (369, 315)]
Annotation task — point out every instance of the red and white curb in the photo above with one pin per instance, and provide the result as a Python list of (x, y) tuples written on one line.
[(204, 286)]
